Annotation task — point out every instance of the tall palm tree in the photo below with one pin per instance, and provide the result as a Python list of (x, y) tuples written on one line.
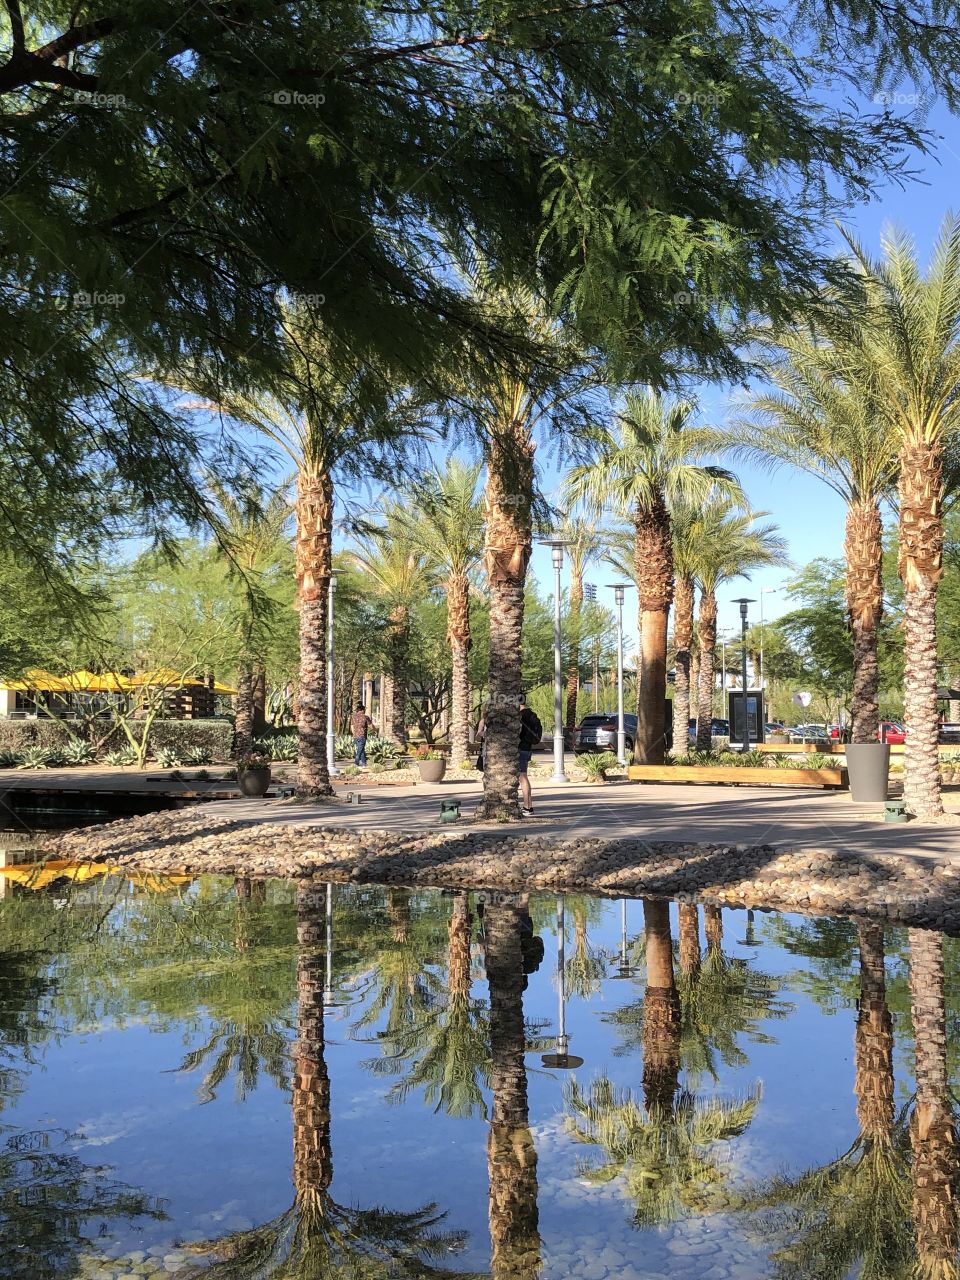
[(400, 574), (821, 422), (511, 1154), (648, 462), (906, 349), (447, 527), (730, 544), (684, 523), (503, 401), (933, 1134), (585, 543), (252, 524), (331, 415)]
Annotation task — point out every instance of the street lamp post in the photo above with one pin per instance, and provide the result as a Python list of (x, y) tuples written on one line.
[(743, 602), (619, 588), (331, 736), (563, 1059), (556, 546), (764, 591)]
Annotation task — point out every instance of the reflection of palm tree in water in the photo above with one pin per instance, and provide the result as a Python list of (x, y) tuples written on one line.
[(317, 1238), (852, 1215), (666, 1148), (511, 1154), (932, 1129)]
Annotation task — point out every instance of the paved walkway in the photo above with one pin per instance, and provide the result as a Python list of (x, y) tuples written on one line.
[(782, 817)]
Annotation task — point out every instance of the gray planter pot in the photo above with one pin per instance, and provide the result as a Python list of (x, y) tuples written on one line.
[(868, 765), (432, 770), (253, 782)]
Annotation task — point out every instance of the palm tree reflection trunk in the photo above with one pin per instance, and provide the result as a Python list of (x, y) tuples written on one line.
[(932, 1132), (458, 949), (312, 1154), (689, 918), (661, 1012), (511, 1154), (713, 928), (874, 1040)]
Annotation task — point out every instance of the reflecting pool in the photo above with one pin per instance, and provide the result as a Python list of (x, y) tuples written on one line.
[(272, 1080)]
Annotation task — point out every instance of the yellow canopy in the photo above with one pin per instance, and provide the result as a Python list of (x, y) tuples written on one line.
[(39, 681), (93, 682), (37, 875), (168, 678)]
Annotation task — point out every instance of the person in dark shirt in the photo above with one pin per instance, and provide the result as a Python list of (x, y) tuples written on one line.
[(360, 725)]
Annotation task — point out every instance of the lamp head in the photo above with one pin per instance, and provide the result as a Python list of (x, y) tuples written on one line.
[(556, 546), (743, 601)]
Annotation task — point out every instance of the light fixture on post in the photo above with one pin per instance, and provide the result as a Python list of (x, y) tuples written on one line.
[(619, 590), (331, 736), (624, 968), (743, 602), (556, 546), (563, 1059), (764, 591)]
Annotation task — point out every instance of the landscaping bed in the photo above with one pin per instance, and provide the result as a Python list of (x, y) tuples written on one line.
[(751, 768)]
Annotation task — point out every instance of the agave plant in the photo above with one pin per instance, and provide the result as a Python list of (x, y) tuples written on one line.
[(381, 749), (123, 756), (596, 764), (199, 755), (78, 751), (9, 758), (36, 758), (284, 747), (343, 746), (167, 757)]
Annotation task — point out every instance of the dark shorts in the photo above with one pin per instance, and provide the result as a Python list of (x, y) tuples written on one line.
[(524, 760)]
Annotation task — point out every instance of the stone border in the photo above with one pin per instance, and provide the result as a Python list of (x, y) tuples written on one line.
[(900, 890)]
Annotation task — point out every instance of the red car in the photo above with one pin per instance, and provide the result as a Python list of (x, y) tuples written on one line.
[(892, 732)]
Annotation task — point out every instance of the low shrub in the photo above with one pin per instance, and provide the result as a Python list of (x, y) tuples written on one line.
[(18, 735), (182, 736), (596, 763)]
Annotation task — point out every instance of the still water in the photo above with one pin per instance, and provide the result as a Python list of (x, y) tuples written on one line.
[(242, 1080)]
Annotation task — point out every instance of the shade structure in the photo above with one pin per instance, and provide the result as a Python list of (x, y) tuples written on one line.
[(97, 682), (38, 875), (40, 681), (945, 694), (168, 678)]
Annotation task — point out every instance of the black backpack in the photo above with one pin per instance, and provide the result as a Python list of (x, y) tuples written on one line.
[(531, 730)]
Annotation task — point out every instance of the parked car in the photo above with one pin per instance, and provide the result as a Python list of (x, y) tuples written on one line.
[(950, 732), (719, 728), (598, 732), (891, 731)]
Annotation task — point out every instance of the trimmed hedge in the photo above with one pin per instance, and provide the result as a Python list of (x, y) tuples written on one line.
[(180, 735)]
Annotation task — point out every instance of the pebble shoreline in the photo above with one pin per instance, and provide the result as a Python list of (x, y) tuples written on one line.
[(819, 881)]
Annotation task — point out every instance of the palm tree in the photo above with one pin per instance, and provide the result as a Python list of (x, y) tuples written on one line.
[(511, 1154), (818, 421), (331, 415), (906, 352), (447, 527), (400, 574), (502, 401), (642, 467), (730, 544), (932, 1128), (585, 542), (684, 524), (251, 533)]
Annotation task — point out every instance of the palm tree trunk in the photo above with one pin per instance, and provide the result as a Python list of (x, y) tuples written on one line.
[(708, 643), (398, 649), (874, 1040), (313, 563), (932, 1132), (509, 497), (243, 710), (863, 551), (573, 674), (458, 948), (259, 699), (661, 1013), (682, 639), (713, 928), (460, 639), (689, 920), (921, 565), (654, 575), (312, 1153), (511, 1154), (386, 703)]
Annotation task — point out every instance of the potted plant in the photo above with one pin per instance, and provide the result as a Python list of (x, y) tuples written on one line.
[(253, 773), (431, 763)]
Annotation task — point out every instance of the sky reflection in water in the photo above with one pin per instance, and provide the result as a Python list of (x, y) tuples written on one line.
[(261, 1080)]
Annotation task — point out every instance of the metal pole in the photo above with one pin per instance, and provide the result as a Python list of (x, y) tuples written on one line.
[(723, 677), (558, 773), (562, 1043), (763, 591), (621, 731), (331, 736), (743, 659), (328, 995)]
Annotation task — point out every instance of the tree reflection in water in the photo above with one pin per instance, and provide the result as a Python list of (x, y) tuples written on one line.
[(317, 1237)]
